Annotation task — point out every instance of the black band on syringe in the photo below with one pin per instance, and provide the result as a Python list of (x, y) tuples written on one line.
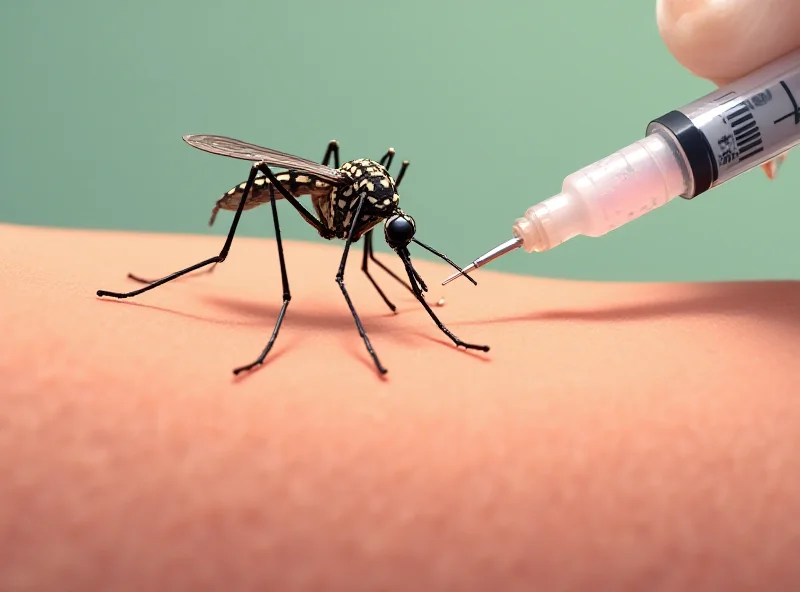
[(695, 146)]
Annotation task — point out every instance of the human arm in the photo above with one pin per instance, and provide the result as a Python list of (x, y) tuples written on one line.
[(615, 436)]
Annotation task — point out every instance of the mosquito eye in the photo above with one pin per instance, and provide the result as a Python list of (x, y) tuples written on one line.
[(399, 230)]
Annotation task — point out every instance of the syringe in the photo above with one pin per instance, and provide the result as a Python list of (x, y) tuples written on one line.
[(686, 152)]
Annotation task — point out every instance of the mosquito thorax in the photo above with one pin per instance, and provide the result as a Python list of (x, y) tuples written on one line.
[(372, 181), (372, 187)]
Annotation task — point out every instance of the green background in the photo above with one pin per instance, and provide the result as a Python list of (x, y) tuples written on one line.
[(493, 103)]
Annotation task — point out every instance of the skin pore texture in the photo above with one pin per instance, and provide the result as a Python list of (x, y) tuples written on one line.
[(616, 437)]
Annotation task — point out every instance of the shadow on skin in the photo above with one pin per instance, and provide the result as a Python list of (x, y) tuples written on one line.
[(356, 351), (327, 319), (342, 321), (267, 313), (333, 316), (772, 301), (769, 300), (180, 313)]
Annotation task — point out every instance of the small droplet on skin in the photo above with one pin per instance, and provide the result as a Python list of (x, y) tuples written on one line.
[(441, 302)]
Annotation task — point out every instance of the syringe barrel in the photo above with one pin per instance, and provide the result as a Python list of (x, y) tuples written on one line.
[(608, 193), (685, 153), (739, 126)]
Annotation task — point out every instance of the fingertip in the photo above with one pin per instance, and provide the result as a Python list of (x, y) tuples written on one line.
[(721, 40)]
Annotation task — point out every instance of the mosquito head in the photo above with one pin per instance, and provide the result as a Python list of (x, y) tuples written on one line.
[(399, 230)]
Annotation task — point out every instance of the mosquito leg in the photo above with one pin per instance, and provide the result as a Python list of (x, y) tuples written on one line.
[(332, 150), (365, 269), (287, 296), (141, 280), (370, 252), (215, 259), (445, 330), (401, 174), (386, 161), (340, 281), (304, 213)]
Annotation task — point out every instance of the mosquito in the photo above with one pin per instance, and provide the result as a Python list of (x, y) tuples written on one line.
[(349, 200)]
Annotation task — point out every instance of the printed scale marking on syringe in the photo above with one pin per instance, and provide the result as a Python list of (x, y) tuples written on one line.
[(795, 112), (752, 125)]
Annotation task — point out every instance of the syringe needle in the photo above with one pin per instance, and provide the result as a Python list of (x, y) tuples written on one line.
[(467, 269), (498, 251)]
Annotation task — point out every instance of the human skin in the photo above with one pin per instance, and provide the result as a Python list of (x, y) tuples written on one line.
[(616, 436)]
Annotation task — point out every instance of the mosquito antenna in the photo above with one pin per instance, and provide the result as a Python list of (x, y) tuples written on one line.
[(445, 258)]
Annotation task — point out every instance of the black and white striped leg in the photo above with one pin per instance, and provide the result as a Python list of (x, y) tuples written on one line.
[(406, 257), (211, 260), (340, 281), (287, 295)]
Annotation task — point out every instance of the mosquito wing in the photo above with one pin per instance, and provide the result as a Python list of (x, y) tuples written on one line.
[(238, 149)]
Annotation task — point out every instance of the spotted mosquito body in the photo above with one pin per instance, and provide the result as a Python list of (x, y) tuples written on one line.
[(349, 202), (297, 184), (334, 205)]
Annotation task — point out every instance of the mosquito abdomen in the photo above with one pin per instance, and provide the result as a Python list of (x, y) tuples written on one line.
[(296, 184)]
